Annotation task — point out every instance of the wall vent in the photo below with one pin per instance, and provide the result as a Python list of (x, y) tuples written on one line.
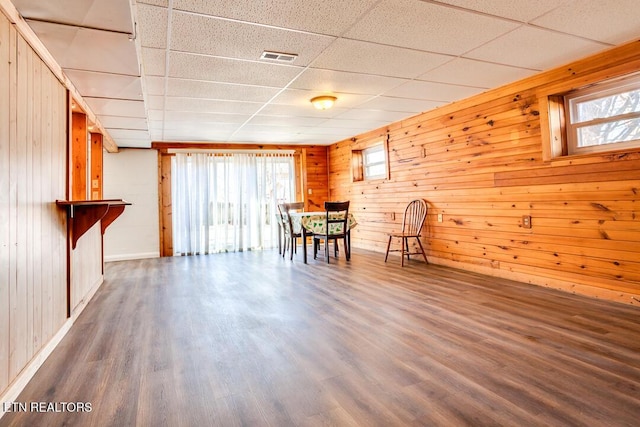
[(278, 56)]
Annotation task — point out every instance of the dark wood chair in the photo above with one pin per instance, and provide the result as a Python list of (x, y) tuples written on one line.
[(412, 221), (336, 227), (290, 234)]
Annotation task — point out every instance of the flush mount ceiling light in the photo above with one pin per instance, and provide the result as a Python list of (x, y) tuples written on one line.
[(323, 102)]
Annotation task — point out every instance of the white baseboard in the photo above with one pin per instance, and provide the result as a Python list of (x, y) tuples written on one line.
[(127, 257)]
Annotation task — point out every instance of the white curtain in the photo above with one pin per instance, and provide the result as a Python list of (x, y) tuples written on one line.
[(226, 202)]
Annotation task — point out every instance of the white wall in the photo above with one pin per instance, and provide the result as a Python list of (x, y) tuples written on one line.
[(132, 174)]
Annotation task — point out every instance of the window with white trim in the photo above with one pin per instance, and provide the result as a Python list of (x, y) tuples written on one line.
[(369, 160), (603, 117), (374, 162)]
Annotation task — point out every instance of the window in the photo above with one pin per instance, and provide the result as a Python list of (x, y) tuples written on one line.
[(226, 201), (374, 162), (371, 162), (603, 117)]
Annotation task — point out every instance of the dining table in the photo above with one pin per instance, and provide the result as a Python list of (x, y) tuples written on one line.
[(315, 222)]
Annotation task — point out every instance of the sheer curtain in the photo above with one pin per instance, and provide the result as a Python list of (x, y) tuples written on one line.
[(226, 202)]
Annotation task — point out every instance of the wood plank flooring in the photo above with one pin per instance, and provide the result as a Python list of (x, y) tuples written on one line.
[(255, 339)]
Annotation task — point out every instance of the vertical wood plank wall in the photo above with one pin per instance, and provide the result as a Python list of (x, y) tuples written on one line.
[(33, 167), (86, 268), (317, 179), (79, 154), (95, 184), (482, 164), (311, 160)]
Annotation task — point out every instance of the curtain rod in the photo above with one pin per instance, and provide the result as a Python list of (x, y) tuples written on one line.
[(227, 151)]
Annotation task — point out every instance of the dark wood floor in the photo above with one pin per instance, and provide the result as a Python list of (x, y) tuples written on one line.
[(255, 339)]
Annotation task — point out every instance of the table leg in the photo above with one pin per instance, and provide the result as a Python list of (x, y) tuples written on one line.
[(304, 244)]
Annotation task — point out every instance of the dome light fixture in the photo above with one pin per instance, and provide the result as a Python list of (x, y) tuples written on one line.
[(323, 102)]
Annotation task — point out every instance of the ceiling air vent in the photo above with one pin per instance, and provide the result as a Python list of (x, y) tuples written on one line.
[(278, 56)]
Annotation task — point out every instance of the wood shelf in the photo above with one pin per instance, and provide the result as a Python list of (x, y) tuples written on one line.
[(84, 214)]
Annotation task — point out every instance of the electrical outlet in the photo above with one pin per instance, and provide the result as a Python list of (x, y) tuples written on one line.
[(526, 221), (439, 217), (310, 191)]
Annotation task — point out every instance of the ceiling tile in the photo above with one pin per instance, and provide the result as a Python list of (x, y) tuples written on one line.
[(101, 85), (195, 134), (401, 104), (339, 81), (118, 122), (535, 48), (152, 25), (369, 115), (286, 121), (263, 135), (155, 102), (155, 125), (155, 115), (197, 126), (300, 111), (232, 39), (356, 126), (88, 49), (154, 61), (462, 71), (114, 15), (154, 85), (371, 58), (302, 99), (163, 3), (215, 90), (427, 26), (128, 134), (334, 133), (433, 91), (609, 21), (205, 117), (318, 16), (520, 10), (199, 105), (116, 107), (230, 70)]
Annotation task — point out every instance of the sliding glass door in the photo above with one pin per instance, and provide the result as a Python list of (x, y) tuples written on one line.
[(226, 202)]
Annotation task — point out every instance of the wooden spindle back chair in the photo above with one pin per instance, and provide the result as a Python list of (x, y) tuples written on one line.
[(412, 222)]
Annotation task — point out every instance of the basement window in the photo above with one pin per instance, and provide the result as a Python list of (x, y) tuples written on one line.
[(602, 117), (374, 162), (370, 163)]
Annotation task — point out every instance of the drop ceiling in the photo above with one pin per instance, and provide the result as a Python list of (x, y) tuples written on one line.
[(191, 70)]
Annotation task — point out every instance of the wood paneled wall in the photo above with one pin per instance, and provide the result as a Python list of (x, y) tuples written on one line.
[(96, 166), (33, 170), (86, 270), (484, 163), (312, 183), (79, 155)]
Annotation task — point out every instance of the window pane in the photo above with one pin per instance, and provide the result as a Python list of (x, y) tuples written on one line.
[(374, 161), (375, 170), (608, 133), (610, 106), (376, 156)]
